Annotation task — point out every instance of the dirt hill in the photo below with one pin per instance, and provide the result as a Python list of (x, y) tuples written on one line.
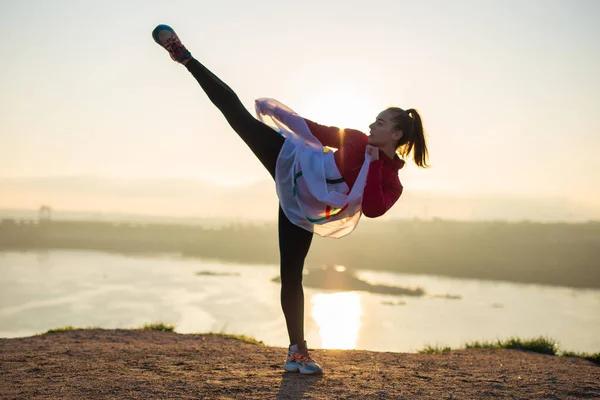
[(104, 364)]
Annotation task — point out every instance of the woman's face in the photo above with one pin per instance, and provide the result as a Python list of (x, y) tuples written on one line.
[(382, 132)]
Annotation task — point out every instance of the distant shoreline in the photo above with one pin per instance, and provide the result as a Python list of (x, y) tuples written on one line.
[(558, 254)]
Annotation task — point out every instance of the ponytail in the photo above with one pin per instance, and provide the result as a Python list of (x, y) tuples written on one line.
[(418, 142), (413, 136)]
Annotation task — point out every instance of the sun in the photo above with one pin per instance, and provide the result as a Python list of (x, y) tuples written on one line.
[(342, 108)]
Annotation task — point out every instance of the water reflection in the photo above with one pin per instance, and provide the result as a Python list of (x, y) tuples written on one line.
[(112, 291), (338, 316)]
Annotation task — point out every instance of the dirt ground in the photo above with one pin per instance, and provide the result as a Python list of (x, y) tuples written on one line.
[(130, 364)]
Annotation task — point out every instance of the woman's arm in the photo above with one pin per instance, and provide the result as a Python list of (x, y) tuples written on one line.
[(330, 136), (279, 114), (379, 196)]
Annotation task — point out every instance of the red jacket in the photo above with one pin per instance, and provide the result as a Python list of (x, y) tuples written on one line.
[(383, 187)]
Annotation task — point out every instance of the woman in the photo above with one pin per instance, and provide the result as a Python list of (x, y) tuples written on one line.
[(319, 191)]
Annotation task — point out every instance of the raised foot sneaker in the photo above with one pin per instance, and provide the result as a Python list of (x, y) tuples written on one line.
[(165, 36), (299, 360)]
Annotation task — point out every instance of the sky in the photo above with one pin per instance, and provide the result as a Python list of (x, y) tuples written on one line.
[(509, 91)]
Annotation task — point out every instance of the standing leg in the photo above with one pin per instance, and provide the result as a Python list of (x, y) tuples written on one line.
[(294, 243)]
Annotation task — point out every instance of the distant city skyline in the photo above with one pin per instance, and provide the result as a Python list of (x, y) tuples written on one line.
[(157, 200)]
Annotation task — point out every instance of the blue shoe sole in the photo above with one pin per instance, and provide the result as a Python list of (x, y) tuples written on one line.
[(291, 367), (295, 367), (159, 28)]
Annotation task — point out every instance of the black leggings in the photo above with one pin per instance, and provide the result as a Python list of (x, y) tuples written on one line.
[(265, 143)]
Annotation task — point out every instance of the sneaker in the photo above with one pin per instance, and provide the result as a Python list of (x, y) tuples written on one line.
[(300, 361), (166, 37)]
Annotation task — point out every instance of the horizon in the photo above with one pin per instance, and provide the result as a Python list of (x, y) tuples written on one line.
[(186, 199)]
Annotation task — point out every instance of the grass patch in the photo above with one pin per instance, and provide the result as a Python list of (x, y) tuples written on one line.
[(540, 344), (148, 327), (595, 357), (434, 349), (243, 338), (161, 327), (58, 330), (67, 328), (158, 327)]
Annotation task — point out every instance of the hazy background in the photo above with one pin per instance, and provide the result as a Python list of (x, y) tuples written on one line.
[(96, 117)]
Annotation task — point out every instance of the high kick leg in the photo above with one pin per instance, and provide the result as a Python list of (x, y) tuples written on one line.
[(264, 142)]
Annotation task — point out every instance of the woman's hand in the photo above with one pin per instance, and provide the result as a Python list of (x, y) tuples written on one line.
[(373, 152)]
